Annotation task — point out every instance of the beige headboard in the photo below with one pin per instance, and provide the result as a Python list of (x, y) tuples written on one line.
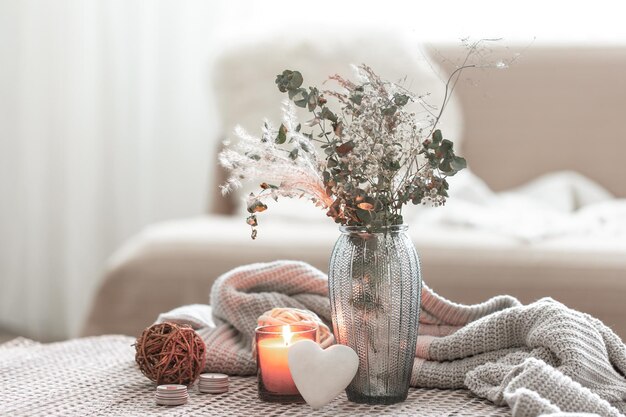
[(558, 108)]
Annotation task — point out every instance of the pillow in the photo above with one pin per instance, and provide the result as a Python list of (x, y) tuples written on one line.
[(565, 191)]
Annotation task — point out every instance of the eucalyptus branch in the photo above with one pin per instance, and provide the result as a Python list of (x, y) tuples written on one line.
[(377, 156)]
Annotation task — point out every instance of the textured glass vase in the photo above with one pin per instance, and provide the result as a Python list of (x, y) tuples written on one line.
[(375, 287)]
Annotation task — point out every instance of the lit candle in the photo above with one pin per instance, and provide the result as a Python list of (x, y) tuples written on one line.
[(274, 363), (273, 342)]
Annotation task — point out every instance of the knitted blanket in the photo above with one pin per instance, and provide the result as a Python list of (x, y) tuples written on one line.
[(540, 359)]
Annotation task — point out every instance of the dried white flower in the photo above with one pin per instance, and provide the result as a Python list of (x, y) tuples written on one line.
[(362, 164)]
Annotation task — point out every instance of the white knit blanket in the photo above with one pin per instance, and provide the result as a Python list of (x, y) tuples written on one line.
[(540, 359)]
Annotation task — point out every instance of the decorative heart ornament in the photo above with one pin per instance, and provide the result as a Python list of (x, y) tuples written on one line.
[(320, 375)]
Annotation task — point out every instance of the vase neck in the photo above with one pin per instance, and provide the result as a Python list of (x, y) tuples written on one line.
[(394, 229)]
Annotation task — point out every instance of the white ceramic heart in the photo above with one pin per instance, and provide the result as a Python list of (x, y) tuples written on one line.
[(320, 375)]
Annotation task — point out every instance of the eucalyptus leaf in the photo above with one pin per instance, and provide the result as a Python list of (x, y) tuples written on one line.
[(458, 163), (328, 114), (356, 98), (393, 165), (389, 111), (446, 147), (292, 92), (445, 166), (301, 102), (282, 135), (364, 215), (295, 80), (283, 80), (345, 148), (299, 97), (437, 136), (417, 198), (312, 100), (338, 129), (400, 99)]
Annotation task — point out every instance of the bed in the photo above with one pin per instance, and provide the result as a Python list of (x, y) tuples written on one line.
[(514, 126)]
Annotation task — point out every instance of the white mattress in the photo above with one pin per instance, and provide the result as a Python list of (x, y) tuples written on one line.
[(175, 263)]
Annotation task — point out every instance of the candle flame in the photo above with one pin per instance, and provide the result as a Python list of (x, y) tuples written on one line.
[(287, 335)]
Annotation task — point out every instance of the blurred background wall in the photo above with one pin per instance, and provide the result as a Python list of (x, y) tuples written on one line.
[(106, 126), (107, 121)]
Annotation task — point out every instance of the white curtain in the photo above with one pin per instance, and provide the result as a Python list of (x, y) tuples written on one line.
[(106, 124)]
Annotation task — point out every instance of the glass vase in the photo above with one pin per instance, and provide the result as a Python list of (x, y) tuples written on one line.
[(375, 287)]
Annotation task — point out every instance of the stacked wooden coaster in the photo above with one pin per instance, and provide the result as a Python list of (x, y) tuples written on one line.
[(171, 394), (213, 383)]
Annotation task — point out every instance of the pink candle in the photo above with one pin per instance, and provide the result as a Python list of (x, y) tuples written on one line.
[(272, 346), (274, 364)]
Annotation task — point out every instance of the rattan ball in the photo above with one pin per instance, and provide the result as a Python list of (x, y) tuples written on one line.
[(169, 353)]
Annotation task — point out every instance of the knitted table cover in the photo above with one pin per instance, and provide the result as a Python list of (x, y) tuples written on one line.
[(98, 376)]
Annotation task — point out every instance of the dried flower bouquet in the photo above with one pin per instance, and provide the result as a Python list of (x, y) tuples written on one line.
[(361, 163)]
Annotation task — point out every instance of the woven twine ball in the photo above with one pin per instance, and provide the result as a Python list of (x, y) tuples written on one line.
[(169, 353), (284, 315)]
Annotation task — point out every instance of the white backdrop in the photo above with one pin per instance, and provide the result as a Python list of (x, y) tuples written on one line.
[(105, 126), (107, 123)]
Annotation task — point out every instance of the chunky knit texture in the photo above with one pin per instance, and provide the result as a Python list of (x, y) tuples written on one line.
[(540, 359), (239, 297)]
